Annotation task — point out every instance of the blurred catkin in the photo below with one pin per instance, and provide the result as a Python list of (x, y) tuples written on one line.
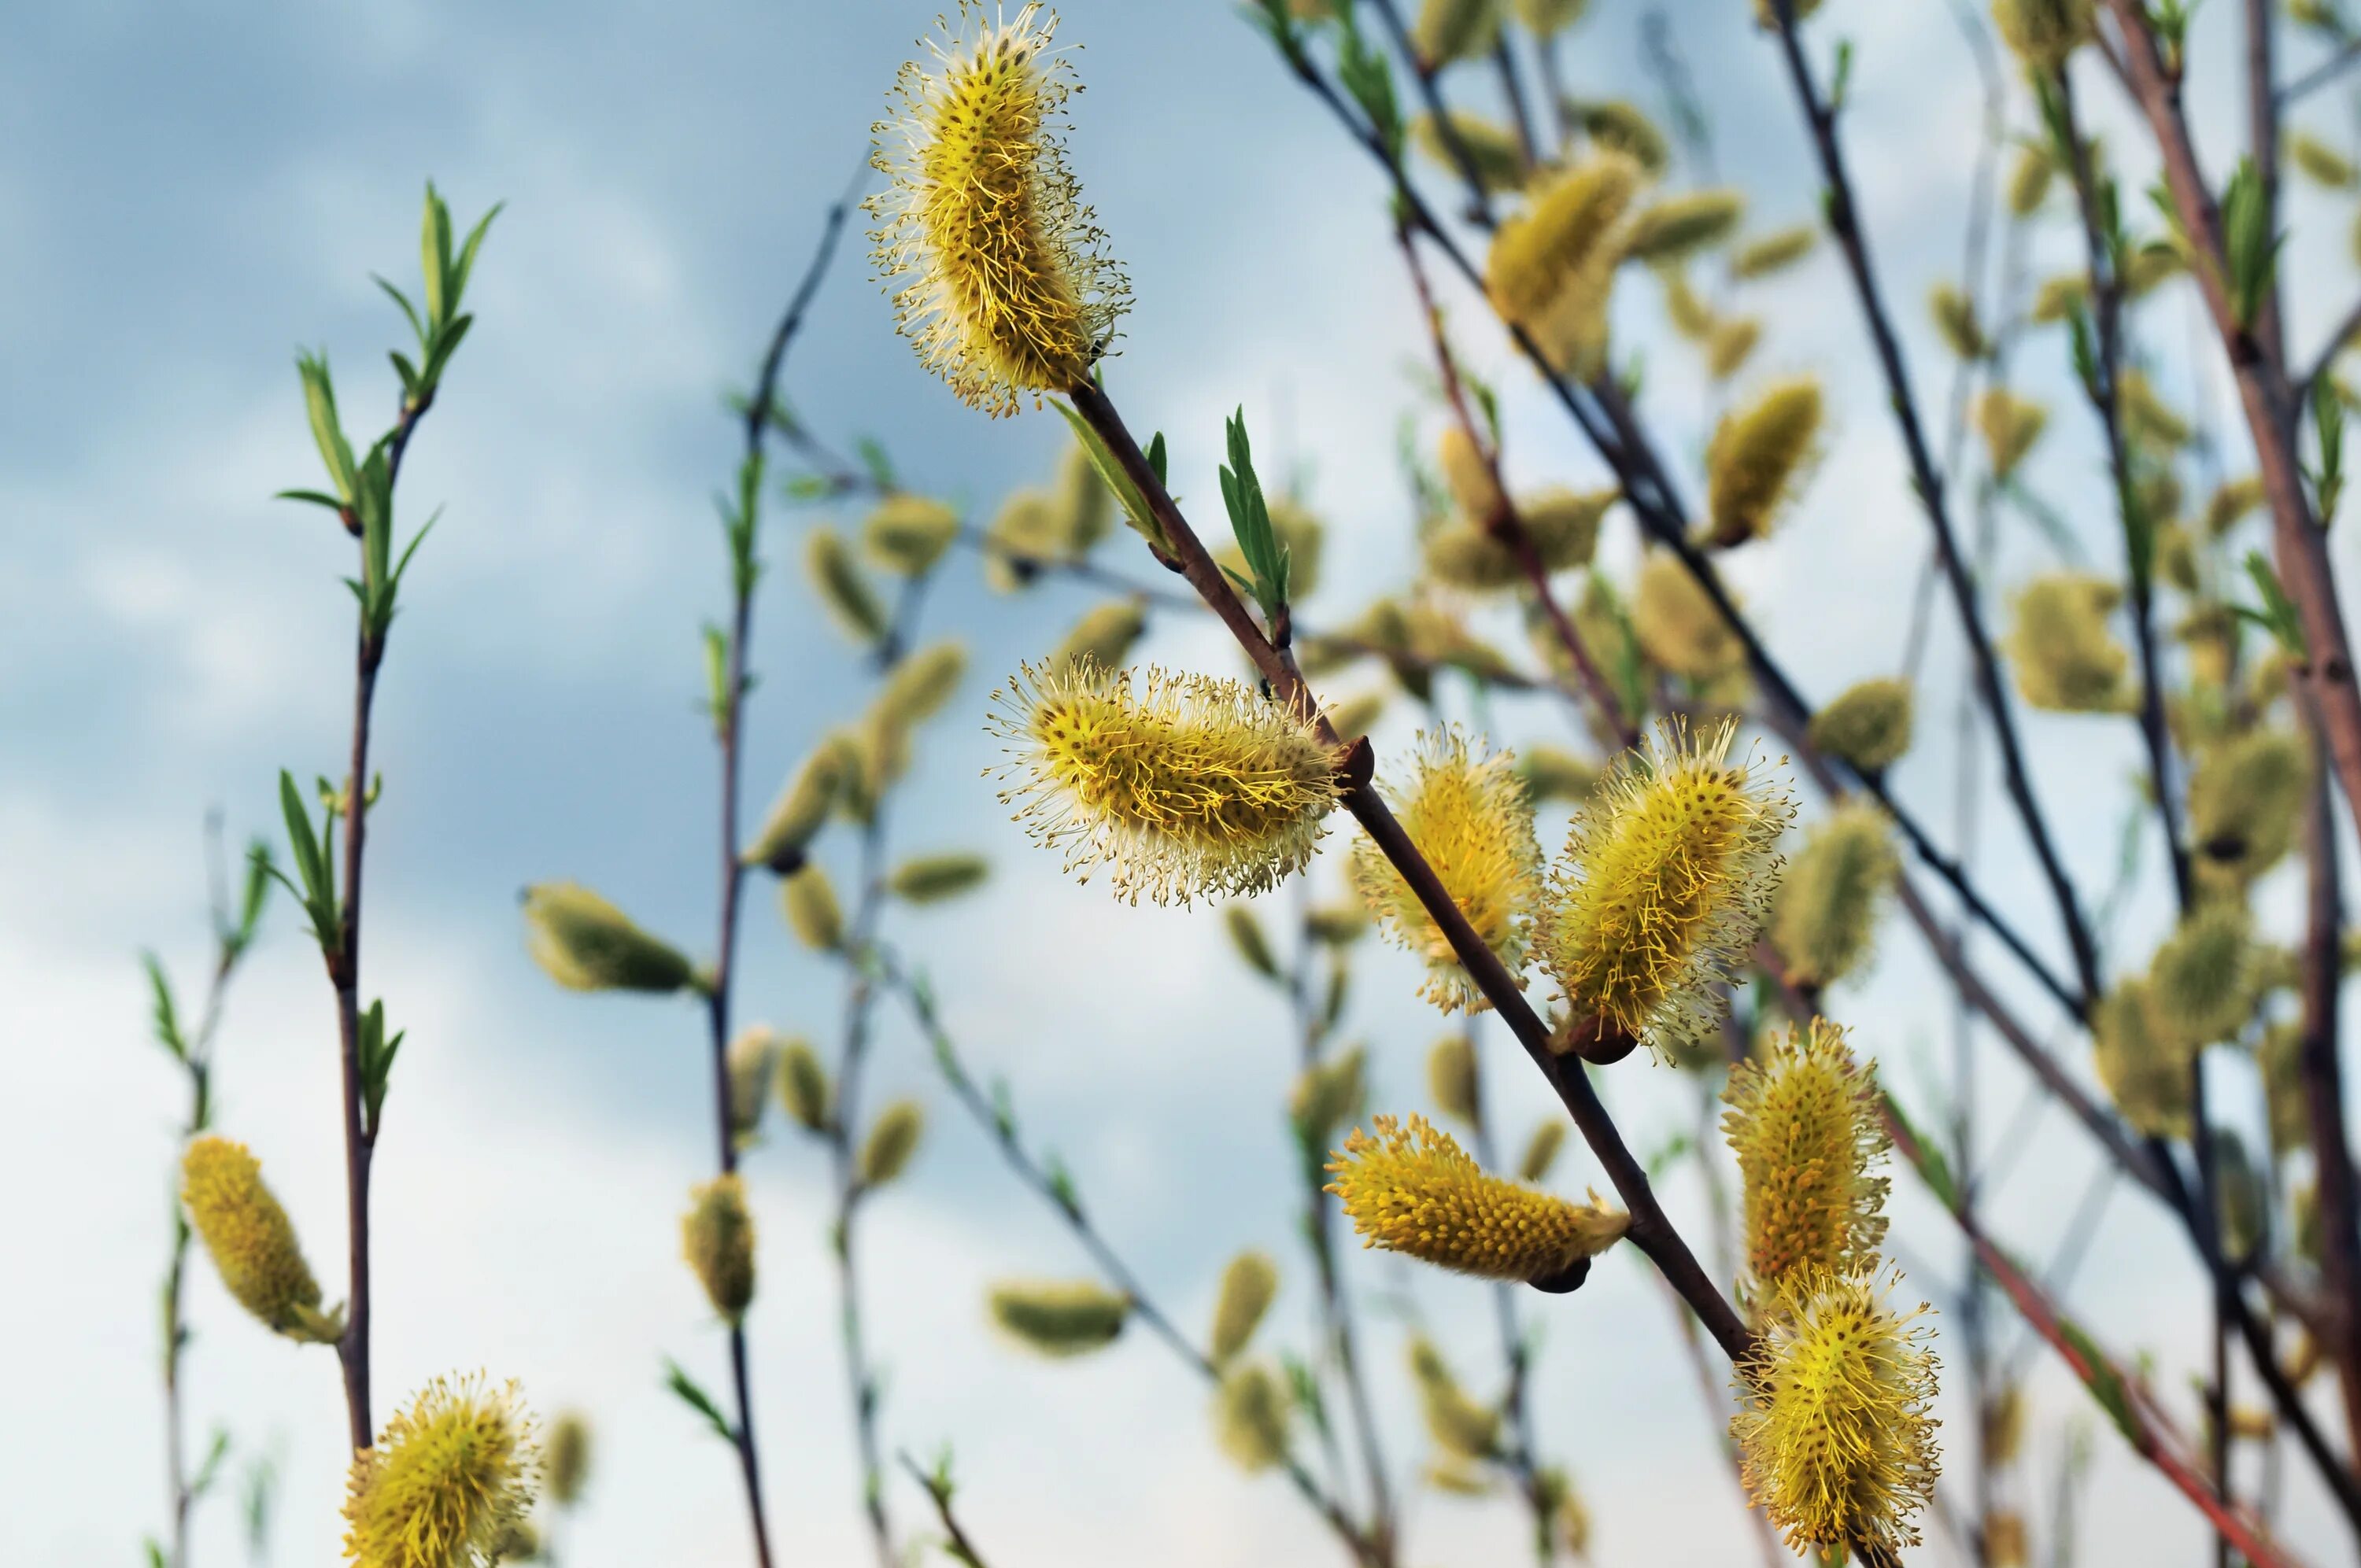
[(251, 1240), (1005, 285), (893, 1140), (922, 682), (1183, 785), (842, 591), (1774, 252), (444, 1481), (1868, 725), (1448, 30), (1541, 1152), (1451, 1078), (1620, 126), (2030, 175), (753, 1062), (2146, 417), (1462, 1428), (1678, 624), (2245, 799), (907, 534), (804, 1087), (1546, 18), (1249, 941), (1081, 502), (2065, 658), (1469, 815), (1957, 322), (801, 811), (717, 1237), (585, 943), (809, 900), (1105, 635), (2011, 427), (1492, 148), (2143, 1059), (1677, 228), (2205, 974), (1301, 532), (2042, 33), (1757, 460), (1824, 917), (1562, 526), (1327, 1094), (1835, 1433), (1060, 1318), (1804, 1122), (1250, 1410), (568, 1458), (936, 878), (1664, 882), (1248, 1286), (1730, 342), (1559, 254), (1551, 773), (2321, 162), (1411, 1189)]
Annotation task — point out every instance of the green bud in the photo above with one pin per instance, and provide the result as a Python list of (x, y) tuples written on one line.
[(585, 943), (932, 878), (908, 534), (809, 899), (892, 1139)]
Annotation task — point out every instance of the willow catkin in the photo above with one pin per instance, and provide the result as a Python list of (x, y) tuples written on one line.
[(1059, 1319), (801, 811), (1250, 1412), (2011, 427), (2146, 417), (1757, 459), (1560, 251), (1678, 624), (1552, 774), (999, 273), (1492, 148), (568, 1458), (1105, 635), (1824, 917), (1451, 1078), (1617, 124), (2320, 162), (1868, 727), (1803, 1121), (1449, 31), (1774, 252), (1411, 1189), (752, 1061), (2064, 657), (1248, 1286), (892, 1143), (1540, 1151), (1561, 527), (1083, 506), (585, 943), (1730, 342), (842, 591), (1957, 322), (452, 1475), (1676, 228), (251, 1241), (803, 1087), (938, 878), (2143, 1059), (2204, 975), (2030, 176), (717, 1238), (908, 534), (1329, 1093), (2245, 800), (808, 901), (1462, 1428), (2042, 33)]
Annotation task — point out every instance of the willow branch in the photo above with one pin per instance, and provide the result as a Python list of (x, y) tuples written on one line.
[(1651, 1229), (2322, 1076)]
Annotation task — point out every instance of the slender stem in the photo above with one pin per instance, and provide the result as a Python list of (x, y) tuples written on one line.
[(1844, 220), (1523, 1456), (1513, 89), (1651, 1229), (2263, 143), (729, 727), (2323, 1093), (938, 1492), (2320, 75)]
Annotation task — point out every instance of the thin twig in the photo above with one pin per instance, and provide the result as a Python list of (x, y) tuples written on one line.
[(2320, 75), (938, 1492)]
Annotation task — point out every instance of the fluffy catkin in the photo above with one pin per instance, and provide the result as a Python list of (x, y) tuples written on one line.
[(1664, 882), (2205, 975), (1249, 1285), (907, 534), (2011, 427), (1803, 1120), (1469, 816), (1868, 727), (585, 943), (1774, 252), (799, 813), (1327, 1094), (1835, 1431), (1620, 126), (1560, 252), (753, 1062), (1451, 1078), (1462, 1428), (717, 1237), (999, 273), (1105, 635), (809, 900), (1757, 459), (1677, 228), (1448, 30), (1824, 917), (445, 1480), (1184, 787), (250, 1239), (2245, 799), (1562, 526), (804, 1087), (1411, 1189), (842, 591), (1541, 1152), (2042, 33), (893, 1141), (567, 1453), (1060, 1318), (2065, 658), (1679, 626), (2143, 1059), (922, 682), (1250, 1410), (1492, 148), (936, 878)]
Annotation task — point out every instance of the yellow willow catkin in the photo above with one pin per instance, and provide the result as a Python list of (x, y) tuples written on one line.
[(2146, 417), (907, 534), (250, 1239), (1060, 1318), (1469, 816), (1467, 475), (1004, 283), (936, 879), (2245, 800), (1105, 635), (1411, 1189), (1824, 917), (585, 943), (2066, 659), (1678, 625), (2042, 33), (892, 1142), (2030, 176), (568, 1455), (1081, 502), (922, 682), (2011, 427), (2143, 1059), (1774, 252), (1956, 323), (1803, 1120), (1868, 727), (842, 591), (1492, 148), (2231, 502), (1023, 536), (804, 1087), (445, 1480), (2061, 297), (1666, 877), (1462, 1428), (1758, 459), (1448, 30), (1546, 18), (1678, 228), (1353, 717), (717, 1237), (1551, 773), (1184, 787), (1328, 1094), (1835, 1433), (1562, 246), (1541, 1152), (1248, 1286), (1617, 124), (1250, 1412), (809, 900), (2321, 163), (1561, 525), (801, 811), (1730, 344), (1451, 1078), (2205, 975), (753, 1061)]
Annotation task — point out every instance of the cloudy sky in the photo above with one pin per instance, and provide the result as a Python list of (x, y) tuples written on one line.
[(185, 199)]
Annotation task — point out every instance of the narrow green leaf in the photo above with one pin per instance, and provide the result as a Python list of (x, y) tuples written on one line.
[(168, 1022), (697, 1399), (467, 262), (1136, 509), (408, 311)]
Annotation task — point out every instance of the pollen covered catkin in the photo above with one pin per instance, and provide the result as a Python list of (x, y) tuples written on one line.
[(1868, 727), (1804, 1122), (1249, 1285), (1060, 1318), (452, 1473), (718, 1240), (1000, 273), (1757, 459), (250, 1239), (1825, 916), (585, 943)]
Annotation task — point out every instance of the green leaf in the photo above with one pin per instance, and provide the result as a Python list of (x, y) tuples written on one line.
[(206, 1473), (2328, 431), (2250, 249), (2139, 534), (880, 467), (2278, 615), (1136, 509), (408, 372), (317, 498), (327, 434), (2106, 1383), (257, 888), (1250, 524), (461, 269), (697, 1399), (447, 344), (168, 1022), (376, 1053), (1842, 78), (408, 311), (434, 254), (1370, 79), (156, 1554), (1156, 459)]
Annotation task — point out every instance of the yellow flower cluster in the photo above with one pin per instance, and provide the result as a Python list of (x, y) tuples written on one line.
[(444, 1481), (251, 1240), (1802, 1120)]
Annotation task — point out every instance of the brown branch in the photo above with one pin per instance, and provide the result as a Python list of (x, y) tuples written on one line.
[(2320, 75), (938, 1492), (2323, 1093), (1844, 222), (1651, 1229)]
